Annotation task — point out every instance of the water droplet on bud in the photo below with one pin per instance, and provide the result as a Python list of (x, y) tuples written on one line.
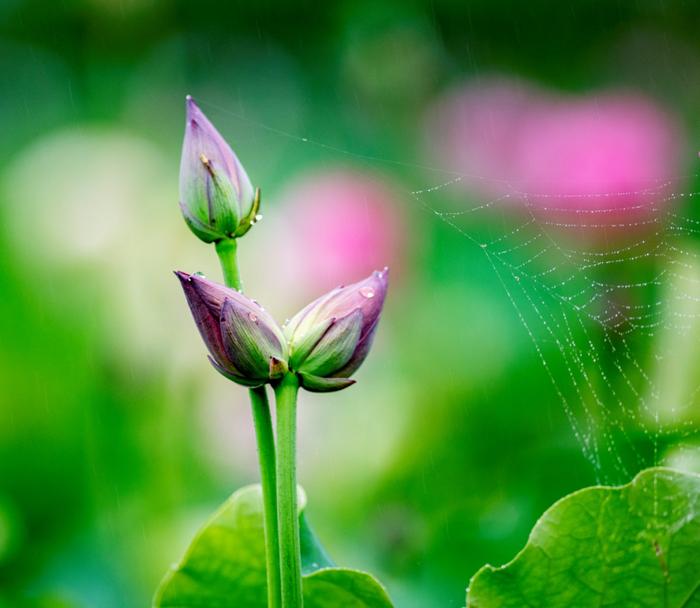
[(367, 292), (199, 274), (258, 217), (253, 317)]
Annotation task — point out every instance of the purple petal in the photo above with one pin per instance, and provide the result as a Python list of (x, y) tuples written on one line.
[(361, 351), (213, 296), (207, 322)]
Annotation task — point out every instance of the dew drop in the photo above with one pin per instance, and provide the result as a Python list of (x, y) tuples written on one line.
[(253, 317), (199, 274), (367, 292), (258, 217)]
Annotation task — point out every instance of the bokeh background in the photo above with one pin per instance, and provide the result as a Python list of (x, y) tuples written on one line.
[(364, 123)]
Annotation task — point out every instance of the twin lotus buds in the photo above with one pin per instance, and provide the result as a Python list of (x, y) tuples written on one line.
[(216, 196), (323, 344)]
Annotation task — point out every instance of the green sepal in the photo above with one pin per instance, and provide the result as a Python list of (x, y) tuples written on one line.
[(247, 222), (317, 384)]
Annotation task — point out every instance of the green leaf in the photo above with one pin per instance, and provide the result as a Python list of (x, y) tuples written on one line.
[(636, 545), (224, 566)]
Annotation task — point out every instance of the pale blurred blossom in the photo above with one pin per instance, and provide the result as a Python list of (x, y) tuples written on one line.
[(226, 424), (92, 209)]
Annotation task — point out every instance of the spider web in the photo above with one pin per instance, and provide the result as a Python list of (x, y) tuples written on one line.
[(605, 301)]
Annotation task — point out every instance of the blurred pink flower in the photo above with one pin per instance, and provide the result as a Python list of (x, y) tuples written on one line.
[(344, 224), (596, 159), (471, 131), (611, 151)]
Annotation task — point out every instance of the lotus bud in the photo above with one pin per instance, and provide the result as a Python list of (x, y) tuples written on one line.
[(330, 338), (216, 196), (245, 343)]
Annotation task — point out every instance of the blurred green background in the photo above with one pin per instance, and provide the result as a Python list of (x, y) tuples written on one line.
[(116, 437)]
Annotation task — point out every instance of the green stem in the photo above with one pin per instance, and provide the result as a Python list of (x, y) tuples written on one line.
[(226, 250), (287, 515), (266, 456)]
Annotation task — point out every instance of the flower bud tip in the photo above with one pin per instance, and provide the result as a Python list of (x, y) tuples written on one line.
[(216, 197), (384, 272)]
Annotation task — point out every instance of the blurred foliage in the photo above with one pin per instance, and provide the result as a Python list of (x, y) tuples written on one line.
[(116, 439)]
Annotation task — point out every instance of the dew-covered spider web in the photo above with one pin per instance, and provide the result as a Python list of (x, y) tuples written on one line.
[(606, 287)]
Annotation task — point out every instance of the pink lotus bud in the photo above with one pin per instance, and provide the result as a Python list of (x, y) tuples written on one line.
[(216, 196), (330, 338), (245, 342)]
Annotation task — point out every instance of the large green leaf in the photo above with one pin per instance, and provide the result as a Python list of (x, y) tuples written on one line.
[(637, 545), (224, 566)]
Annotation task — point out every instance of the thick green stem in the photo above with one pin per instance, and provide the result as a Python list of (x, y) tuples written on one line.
[(226, 249), (266, 456), (288, 518)]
